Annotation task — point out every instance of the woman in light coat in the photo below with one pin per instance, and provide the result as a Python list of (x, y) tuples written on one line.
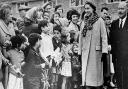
[(93, 45)]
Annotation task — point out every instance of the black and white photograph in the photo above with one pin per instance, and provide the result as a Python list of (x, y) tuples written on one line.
[(63, 44)]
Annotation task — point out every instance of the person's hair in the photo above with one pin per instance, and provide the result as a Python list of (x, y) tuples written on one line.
[(57, 28), (4, 11), (104, 8), (17, 41), (58, 6), (42, 23), (52, 18), (72, 12), (33, 38)]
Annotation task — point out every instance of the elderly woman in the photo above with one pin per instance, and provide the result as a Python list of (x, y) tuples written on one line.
[(6, 31), (93, 46)]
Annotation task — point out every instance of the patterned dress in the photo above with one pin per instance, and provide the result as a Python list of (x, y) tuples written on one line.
[(16, 57)]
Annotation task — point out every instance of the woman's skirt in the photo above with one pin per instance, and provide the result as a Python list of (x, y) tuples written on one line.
[(1, 85), (15, 82)]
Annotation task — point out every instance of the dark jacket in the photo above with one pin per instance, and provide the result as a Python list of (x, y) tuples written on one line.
[(28, 29), (32, 67), (119, 43)]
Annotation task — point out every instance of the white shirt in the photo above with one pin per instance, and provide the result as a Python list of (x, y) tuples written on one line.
[(46, 48), (124, 19)]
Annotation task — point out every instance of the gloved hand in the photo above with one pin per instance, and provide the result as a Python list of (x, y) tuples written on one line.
[(42, 65), (104, 57)]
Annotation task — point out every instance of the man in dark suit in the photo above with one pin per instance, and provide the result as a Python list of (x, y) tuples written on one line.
[(119, 43)]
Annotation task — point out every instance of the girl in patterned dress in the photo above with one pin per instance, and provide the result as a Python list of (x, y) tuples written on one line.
[(76, 67), (66, 70), (16, 56)]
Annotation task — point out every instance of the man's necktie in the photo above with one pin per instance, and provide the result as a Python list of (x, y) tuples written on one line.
[(121, 24)]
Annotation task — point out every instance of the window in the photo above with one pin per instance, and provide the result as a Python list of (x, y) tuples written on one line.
[(76, 3), (111, 1), (22, 3)]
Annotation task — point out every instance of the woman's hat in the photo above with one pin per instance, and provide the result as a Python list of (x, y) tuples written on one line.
[(92, 4)]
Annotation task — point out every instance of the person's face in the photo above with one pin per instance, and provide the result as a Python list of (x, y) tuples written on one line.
[(9, 15), (46, 16), (104, 13), (57, 34), (48, 8), (74, 19), (56, 17), (108, 21), (122, 10), (60, 10), (88, 10), (22, 13), (75, 49), (45, 29)]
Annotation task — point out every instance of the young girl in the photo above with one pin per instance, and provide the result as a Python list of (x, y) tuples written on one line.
[(56, 40), (66, 71), (16, 56), (55, 18), (76, 67)]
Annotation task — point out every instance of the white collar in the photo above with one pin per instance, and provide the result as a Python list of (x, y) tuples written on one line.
[(124, 19)]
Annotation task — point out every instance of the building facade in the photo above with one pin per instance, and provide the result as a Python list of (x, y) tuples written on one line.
[(67, 4)]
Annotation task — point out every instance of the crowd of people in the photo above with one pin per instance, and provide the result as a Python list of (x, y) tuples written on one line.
[(43, 49)]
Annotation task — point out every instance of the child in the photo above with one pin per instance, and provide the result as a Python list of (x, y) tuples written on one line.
[(66, 71), (16, 56), (76, 67), (46, 48), (56, 40)]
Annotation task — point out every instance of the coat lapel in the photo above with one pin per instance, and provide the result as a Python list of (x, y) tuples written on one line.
[(118, 24), (125, 24)]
